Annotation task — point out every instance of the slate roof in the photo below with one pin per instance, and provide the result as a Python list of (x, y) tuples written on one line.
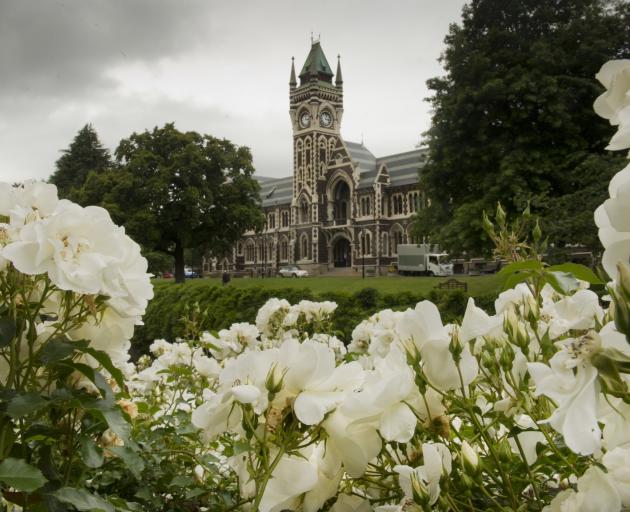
[(366, 160), (275, 191), (402, 169)]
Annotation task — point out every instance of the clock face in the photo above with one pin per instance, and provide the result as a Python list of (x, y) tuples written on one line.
[(305, 119), (325, 119)]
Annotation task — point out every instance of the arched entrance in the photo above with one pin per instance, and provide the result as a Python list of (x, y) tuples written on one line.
[(341, 202), (342, 254)]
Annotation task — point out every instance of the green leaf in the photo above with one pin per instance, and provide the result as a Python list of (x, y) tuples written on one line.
[(193, 493), (182, 481), (562, 282), (8, 436), (113, 416), (125, 506), (520, 266), (20, 475), (40, 432), (513, 279), (25, 404), (131, 459), (94, 376), (82, 500), (579, 271), (105, 361), (55, 350), (91, 453), (7, 331)]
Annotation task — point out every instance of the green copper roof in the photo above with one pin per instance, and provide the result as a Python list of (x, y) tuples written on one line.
[(316, 65)]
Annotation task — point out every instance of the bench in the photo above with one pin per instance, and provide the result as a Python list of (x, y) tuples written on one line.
[(453, 284)]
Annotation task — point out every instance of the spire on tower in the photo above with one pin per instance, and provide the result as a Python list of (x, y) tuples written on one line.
[(292, 80), (338, 77)]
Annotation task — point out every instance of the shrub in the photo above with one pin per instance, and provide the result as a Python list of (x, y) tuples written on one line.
[(216, 308)]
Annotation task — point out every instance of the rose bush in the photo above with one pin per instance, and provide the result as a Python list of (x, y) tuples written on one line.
[(526, 408), (72, 288)]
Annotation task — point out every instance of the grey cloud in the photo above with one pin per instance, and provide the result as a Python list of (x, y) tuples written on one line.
[(34, 156), (61, 48), (225, 70)]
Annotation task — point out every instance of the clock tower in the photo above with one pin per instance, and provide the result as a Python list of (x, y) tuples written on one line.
[(316, 108)]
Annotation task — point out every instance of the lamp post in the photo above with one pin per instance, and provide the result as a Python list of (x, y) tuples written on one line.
[(363, 256), (264, 269)]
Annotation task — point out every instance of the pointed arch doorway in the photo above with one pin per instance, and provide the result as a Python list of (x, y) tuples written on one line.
[(342, 253)]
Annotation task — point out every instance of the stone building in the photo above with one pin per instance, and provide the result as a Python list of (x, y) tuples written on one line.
[(343, 207)]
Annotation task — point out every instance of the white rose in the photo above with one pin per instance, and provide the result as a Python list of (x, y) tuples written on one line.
[(614, 104)]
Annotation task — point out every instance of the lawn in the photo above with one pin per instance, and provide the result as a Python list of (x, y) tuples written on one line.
[(477, 285)]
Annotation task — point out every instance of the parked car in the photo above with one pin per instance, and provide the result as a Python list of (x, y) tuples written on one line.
[(189, 273), (292, 271), (167, 275)]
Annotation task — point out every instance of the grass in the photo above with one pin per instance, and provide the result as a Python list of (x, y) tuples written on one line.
[(477, 285)]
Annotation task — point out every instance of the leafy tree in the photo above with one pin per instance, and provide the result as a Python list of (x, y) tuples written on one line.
[(174, 191), (513, 118), (84, 155)]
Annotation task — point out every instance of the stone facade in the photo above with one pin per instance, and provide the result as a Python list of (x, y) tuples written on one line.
[(343, 207)]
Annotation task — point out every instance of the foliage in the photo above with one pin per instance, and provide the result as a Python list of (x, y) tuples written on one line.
[(479, 437), (158, 262), (223, 306), (513, 121), (72, 286), (174, 190), (85, 154), (392, 284)]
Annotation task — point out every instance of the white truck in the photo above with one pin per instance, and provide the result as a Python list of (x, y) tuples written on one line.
[(419, 259)]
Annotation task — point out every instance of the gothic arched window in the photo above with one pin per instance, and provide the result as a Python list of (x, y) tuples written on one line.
[(385, 244), (304, 217), (250, 251), (366, 243), (304, 247), (396, 238), (284, 249), (414, 201)]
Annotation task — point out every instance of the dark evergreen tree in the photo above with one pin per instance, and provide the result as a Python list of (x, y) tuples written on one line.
[(84, 155), (513, 118), (174, 191)]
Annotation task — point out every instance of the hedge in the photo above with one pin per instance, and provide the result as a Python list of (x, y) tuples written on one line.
[(220, 307)]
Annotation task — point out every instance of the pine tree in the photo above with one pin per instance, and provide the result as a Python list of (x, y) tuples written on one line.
[(84, 155), (513, 118)]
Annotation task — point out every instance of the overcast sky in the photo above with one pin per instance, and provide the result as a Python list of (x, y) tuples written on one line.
[(216, 67)]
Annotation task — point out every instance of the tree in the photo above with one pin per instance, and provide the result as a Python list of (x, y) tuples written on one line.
[(513, 118), (174, 191), (84, 155)]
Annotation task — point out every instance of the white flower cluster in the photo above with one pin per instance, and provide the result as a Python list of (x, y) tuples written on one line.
[(79, 250), (613, 217), (397, 396), (277, 318), (531, 404), (614, 104), (370, 399)]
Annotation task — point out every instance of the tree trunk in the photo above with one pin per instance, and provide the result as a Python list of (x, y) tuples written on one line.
[(179, 262)]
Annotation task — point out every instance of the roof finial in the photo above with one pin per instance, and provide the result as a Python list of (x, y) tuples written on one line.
[(338, 77), (292, 80), (362, 138), (312, 37)]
